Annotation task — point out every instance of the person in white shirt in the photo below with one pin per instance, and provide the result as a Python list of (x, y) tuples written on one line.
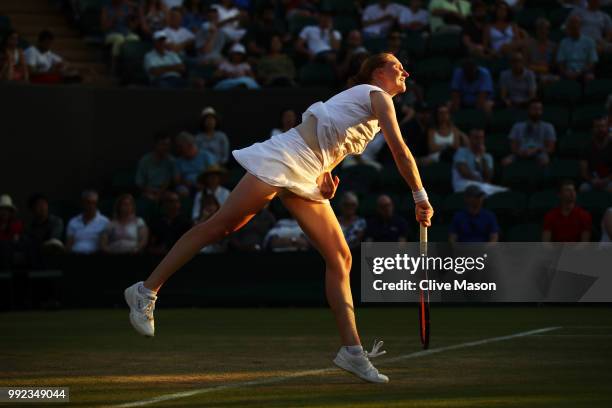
[(319, 42), (378, 18), (229, 20), (43, 64), (178, 38), (415, 18), (84, 231), (210, 180), (172, 3), (164, 68)]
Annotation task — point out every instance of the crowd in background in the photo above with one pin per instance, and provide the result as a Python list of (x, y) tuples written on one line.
[(501, 67)]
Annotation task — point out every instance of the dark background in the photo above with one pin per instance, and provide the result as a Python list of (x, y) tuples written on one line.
[(59, 140)]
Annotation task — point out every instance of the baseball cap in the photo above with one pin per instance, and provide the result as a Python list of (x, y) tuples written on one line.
[(474, 191), (158, 35)]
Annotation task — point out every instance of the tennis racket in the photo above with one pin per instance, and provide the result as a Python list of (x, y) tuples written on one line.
[(424, 322)]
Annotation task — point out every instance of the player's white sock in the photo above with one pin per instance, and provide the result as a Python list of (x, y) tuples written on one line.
[(354, 350), (145, 291)]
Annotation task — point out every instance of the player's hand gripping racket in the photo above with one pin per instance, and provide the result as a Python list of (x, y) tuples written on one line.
[(424, 295)]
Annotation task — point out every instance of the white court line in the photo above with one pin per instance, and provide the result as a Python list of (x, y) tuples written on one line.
[(423, 353)]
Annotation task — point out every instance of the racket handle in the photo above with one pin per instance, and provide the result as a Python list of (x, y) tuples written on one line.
[(422, 233), (423, 240)]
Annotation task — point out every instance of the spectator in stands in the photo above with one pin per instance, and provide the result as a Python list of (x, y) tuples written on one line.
[(262, 30), (414, 133), (45, 230), (443, 138), (286, 235), (169, 226), (210, 138), (209, 183), (414, 18), (44, 65), (386, 226), (394, 46), (193, 17), (472, 87), (532, 139), (235, 71), (191, 162), (515, 5), (320, 42), (172, 3), (378, 18), (503, 37), (568, 222), (518, 84), (304, 8), (229, 20), (157, 170), (473, 31), (152, 14), (288, 120), (405, 103), (208, 206), (606, 226), (472, 165), (250, 238), (353, 45), (577, 53), (597, 168), (596, 25), (126, 233), (474, 223), (11, 229), (12, 60), (276, 68), (178, 39), (541, 52), (210, 40), (353, 226), (164, 68), (115, 22), (84, 230), (448, 15)]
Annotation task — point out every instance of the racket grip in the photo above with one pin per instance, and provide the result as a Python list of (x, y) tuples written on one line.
[(423, 240), (422, 233)]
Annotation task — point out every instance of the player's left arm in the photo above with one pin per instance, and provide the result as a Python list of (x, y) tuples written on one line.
[(383, 108)]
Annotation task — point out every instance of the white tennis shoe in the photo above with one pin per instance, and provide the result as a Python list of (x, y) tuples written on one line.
[(360, 365), (141, 310)]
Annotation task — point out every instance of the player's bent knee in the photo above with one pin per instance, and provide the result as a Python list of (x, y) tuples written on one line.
[(341, 263)]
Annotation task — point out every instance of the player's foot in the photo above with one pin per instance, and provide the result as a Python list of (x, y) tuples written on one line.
[(141, 310), (360, 365)]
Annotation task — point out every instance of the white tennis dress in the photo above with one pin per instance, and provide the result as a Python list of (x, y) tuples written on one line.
[(345, 125)]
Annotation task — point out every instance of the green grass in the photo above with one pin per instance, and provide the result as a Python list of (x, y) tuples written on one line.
[(97, 355)]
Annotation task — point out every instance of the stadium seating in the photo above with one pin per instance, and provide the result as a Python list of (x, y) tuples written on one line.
[(524, 233), (317, 74)]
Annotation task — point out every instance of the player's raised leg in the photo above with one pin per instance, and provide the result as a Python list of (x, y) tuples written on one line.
[(249, 196), (320, 224)]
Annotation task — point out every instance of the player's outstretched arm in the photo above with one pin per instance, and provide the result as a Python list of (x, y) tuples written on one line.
[(385, 113)]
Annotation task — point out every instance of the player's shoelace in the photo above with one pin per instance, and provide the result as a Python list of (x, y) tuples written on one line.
[(147, 306), (375, 353)]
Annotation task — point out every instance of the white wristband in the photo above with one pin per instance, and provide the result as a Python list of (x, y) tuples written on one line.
[(419, 196)]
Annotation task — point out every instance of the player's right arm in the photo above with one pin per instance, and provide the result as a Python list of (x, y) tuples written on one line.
[(383, 108)]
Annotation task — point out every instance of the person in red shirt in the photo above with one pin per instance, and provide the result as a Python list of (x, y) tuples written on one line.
[(567, 222), (10, 227), (10, 231)]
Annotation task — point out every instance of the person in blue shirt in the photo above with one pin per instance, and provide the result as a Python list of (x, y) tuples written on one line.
[(577, 53), (474, 223), (191, 163), (472, 87)]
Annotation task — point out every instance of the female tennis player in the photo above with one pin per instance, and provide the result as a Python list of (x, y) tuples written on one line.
[(296, 166)]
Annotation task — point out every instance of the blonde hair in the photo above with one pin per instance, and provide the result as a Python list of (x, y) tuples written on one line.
[(368, 67)]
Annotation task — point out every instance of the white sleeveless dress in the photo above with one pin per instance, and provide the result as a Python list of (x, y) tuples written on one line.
[(345, 125)]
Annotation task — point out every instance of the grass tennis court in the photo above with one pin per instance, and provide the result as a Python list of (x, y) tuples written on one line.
[(251, 352)]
